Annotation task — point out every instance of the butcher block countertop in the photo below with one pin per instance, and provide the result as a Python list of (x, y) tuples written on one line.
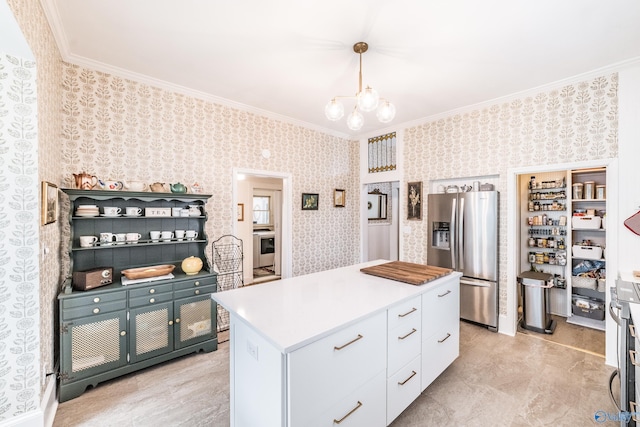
[(407, 272), (296, 311)]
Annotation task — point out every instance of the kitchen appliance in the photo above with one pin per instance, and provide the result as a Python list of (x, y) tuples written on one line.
[(94, 278), (264, 248), (623, 294), (463, 236)]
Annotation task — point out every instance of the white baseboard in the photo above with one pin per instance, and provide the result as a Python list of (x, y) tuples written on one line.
[(49, 402), (43, 416)]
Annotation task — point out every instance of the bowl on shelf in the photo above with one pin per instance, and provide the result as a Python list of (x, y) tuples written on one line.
[(146, 272)]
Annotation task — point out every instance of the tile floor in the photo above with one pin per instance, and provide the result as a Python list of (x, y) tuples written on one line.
[(497, 381)]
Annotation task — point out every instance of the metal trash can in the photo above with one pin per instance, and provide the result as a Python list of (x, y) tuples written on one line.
[(535, 302)]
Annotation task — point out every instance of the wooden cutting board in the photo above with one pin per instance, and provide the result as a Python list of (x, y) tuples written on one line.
[(407, 272)]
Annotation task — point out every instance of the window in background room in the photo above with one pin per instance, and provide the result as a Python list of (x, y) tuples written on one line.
[(261, 210), (382, 153)]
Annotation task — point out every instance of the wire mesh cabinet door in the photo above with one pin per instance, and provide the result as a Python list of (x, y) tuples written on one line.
[(93, 345), (151, 331), (195, 320)]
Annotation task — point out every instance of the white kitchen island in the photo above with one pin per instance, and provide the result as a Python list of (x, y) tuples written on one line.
[(338, 347)]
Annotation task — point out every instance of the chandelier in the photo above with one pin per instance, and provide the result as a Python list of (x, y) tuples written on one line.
[(367, 100)]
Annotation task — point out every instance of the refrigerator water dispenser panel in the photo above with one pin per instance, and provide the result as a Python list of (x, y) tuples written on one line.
[(441, 236)]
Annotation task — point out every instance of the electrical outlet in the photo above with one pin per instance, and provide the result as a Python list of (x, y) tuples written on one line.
[(252, 349)]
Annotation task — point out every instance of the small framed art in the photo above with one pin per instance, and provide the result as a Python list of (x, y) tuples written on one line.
[(309, 201), (339, 198), (414, 200), (49, 203), (240, 212)]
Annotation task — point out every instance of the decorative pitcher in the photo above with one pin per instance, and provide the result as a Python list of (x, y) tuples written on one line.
[(85, 181), (110, 184)]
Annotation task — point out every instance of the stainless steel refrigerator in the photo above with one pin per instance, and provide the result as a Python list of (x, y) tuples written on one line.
[(463, 235)]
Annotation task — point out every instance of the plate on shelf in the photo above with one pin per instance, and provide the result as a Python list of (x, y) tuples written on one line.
[(110, 216), (132, 215), (86, 215), (151, 271)]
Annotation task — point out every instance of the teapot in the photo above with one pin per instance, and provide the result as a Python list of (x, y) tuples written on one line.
[(178, 188), (85, 181), (135, 186), (110, 184), (194, 210), (158, 187)]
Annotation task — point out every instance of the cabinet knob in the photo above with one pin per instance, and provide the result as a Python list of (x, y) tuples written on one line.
[(178, 320), (152, 291), (170, 322), (96, 299), (96, 310), (152, 300), (123, 333), (197, 283), (197, 292)]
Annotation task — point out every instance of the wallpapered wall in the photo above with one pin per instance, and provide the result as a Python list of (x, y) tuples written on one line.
[(119, 129), (575, 123), (33, 155)]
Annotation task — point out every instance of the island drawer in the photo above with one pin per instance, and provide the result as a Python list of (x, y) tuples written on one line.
[(439, 351), (323, 372), (403, 388), (440, 306), (404, 343), (404, 312)]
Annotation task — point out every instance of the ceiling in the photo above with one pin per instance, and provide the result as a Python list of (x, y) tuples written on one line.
[(287, 58)]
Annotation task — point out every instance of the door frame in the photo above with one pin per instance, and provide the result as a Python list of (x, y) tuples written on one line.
[(286, 251), (509, 324)]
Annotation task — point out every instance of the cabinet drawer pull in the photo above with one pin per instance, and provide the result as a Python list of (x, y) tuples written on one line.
[(178, 320), (405, 336), (632, 356), (359, 337), (445, 294), (96, 310), (152, 291), (123, 333), (96, 300), (445, 338), (632, 329), (413, 374), (197, 292), (350, 412), (197, 283), (152, 300), (408, 312)]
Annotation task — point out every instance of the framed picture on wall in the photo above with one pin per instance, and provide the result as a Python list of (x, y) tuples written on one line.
[(414, 200), (240, 213), (49, 203), (309, 201), (339, 198)]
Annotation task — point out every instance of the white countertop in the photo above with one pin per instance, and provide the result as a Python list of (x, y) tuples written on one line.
[(293, 312)]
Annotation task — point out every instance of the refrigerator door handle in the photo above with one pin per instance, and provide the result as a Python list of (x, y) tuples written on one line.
[(461, 236), (471, 282), (452, 237)]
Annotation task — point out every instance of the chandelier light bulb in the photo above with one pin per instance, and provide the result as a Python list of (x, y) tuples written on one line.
[(355, 120), (368, 99), (334, 110), (386, 112)]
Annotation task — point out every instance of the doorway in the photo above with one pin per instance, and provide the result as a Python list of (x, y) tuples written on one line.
[(383, 219), (263, 222)]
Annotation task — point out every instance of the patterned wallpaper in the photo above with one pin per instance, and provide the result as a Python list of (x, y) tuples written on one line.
[(575, 123), (119, 129), (30, 279)]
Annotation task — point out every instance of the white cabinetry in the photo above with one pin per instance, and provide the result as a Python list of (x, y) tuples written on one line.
[(326, 373), (440, 330), (403, 356), (346, 348)]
